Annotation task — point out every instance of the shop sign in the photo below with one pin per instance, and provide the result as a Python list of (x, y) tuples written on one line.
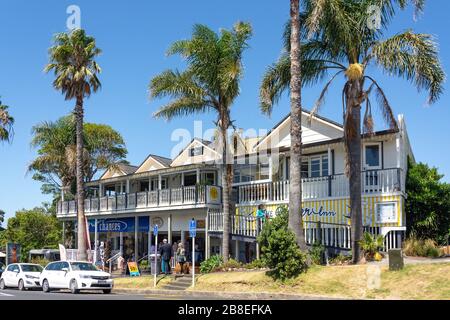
[(119, 225), (134, 270)]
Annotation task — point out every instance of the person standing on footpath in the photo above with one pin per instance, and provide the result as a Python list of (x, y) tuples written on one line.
[(166, 254)]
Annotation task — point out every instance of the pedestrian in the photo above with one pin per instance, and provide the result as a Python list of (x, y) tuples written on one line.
[(166, 254), (120, 264), (181, 256), (260, 218)]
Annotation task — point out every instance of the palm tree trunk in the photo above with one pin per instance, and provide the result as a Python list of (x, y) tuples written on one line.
[(225, 193), (354, 162), (295, 188), (82, 254)]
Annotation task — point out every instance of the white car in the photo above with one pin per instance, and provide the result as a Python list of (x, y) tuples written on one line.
[(21, 275), (75, 276)]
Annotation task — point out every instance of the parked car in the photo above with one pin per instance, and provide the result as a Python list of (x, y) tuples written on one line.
[(21, 275), (75, 276)]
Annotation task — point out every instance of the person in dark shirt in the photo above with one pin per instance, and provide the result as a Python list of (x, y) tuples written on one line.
[(166, 254)]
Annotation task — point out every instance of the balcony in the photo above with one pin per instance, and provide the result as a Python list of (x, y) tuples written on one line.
[(372, 182), (181, 196)]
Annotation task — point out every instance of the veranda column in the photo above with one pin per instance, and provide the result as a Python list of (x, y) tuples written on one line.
[(169, 229), (136, 246), (121, 243), (100, 190), (127, 186), (64, 233), (198, 175), (149, 245), (207, 239), (236, 248), (95, 241)]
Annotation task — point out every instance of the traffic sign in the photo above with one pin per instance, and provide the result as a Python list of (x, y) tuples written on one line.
[(193, 228), (155, 230)]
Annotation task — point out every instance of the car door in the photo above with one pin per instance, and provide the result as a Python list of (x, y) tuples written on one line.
[(13, 276), (64, 277), (7, 275), (51, 274)]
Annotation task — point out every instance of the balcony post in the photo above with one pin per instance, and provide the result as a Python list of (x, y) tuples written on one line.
[(116, 200), (330, 192)]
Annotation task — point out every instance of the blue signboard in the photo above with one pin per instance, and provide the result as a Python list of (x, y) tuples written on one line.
[(155, 230), (193, 228), (119, 225)]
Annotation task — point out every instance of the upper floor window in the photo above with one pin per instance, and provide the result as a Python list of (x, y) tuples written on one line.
[(251, 172), (196, 151), (372, 156), (312, 166)]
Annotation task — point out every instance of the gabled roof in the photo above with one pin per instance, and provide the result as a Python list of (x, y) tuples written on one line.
[(159, 162), (124, 169), (305, 113), (209, 145)]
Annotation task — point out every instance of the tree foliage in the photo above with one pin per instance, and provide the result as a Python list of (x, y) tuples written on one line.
[(55, 142), (210, 82), (279, 249), (6, 123), (32, 229), (427, 203)]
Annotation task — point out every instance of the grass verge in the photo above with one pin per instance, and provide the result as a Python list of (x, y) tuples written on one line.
[(425, 281), (142, 282)]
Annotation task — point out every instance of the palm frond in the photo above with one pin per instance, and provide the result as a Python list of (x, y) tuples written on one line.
[(319, 102), (182, 107), (413, 57)]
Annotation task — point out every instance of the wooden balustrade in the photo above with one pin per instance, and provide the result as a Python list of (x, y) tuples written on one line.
[(190, 195), (376, 181)]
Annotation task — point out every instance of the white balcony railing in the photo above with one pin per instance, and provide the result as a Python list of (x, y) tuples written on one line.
[(376, 181), (191, 195)]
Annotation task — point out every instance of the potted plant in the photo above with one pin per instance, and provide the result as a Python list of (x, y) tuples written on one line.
[(371, 246)]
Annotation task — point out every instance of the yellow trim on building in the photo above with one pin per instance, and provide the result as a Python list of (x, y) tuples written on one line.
[(338, 210)]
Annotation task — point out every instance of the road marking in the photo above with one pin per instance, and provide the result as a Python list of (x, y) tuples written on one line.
[(6, 294)]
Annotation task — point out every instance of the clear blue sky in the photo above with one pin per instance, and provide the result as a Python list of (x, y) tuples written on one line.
[(134, 36)]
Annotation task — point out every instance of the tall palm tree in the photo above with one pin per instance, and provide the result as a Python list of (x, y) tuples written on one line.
[(339, 39), (209, 83), (6, 122), (72, 58), (295, 181)]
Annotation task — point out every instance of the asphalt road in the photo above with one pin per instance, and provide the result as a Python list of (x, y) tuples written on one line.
[(14, 294)]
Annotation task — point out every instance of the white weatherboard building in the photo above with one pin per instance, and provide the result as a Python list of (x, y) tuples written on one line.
[(124, 204)]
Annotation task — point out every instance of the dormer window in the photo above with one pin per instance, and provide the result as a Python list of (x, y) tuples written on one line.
[(196, 151)]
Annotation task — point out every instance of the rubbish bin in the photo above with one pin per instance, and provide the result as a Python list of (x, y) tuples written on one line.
[(395, 259), (152, 263)]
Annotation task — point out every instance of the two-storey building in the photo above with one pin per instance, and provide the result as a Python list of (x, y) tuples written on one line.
[(126, 202)]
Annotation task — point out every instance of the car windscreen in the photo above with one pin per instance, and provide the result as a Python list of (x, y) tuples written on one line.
[(83, 266), (31, 268)]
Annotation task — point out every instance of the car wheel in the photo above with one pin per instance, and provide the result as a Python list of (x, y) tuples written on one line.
[(106, 291), (2, 284), (21, 285), (45, 286), (74, 287)]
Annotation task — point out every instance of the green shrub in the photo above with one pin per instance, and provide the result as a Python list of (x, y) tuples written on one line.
[(415, 247), (143, 264), (279, 250), (231, 263), (371, 244), (211, 264), (255, 264), (317, 253), (340, 259), (40, 261)]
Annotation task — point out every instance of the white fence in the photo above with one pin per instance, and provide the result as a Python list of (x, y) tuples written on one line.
[(376, 181), (330, 235)]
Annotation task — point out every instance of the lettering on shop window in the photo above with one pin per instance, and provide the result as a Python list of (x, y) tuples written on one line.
[(321, 213)]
